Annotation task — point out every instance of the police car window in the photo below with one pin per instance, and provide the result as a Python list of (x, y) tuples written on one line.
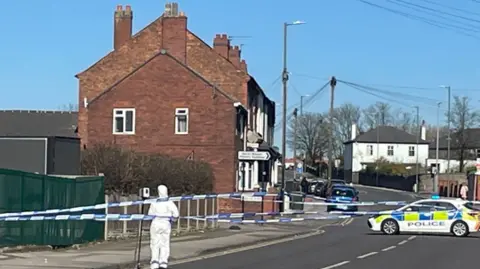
[(471, 206), (340, 192), (438, 206)]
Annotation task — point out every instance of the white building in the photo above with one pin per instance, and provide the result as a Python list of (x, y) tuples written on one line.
[(389, 143), (261, 123)]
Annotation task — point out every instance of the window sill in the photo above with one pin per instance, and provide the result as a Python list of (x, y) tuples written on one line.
[(132, 133), (181, 133)]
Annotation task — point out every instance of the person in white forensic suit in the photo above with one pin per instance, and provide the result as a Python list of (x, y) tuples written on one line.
[(161, 228)]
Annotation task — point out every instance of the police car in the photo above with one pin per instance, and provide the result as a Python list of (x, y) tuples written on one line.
[(436, 215)]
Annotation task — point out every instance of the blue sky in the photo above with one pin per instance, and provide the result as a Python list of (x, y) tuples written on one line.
[(45, 43)]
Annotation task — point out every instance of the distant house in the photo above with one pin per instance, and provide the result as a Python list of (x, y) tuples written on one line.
[(42, 142), (385, 142), (471, 147)]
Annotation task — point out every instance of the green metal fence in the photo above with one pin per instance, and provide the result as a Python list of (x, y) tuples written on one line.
[(22, 191)]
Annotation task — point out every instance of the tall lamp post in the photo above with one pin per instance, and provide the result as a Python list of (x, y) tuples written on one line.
[(301, 102), (449, 119), (437, 170), (284, 112)]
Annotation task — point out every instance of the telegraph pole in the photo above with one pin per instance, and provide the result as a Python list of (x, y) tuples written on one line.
[(333, 83), (435, 179), (295, 111), (419, 130)]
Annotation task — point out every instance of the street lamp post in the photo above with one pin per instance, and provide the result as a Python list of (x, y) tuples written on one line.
[(284, 112), (449, 120), (301, 102), (435, 179)]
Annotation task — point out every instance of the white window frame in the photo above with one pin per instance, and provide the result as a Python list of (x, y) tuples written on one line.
[(390, 148), (370, 150), (178, 112), (411, 149), (124, 115)]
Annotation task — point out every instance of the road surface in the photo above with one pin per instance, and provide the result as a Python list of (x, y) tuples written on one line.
[(354, 246)]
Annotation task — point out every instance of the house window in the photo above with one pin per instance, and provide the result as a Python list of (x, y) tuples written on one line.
[(390, 150), (124, 121), (370, 150), (181, 121), (411, 151)]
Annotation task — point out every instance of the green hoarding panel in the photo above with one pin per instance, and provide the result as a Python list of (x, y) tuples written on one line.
[(21, 191)]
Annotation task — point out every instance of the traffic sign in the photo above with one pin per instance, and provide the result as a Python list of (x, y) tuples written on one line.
[(254, 155)]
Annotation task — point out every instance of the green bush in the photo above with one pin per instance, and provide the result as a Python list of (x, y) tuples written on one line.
[(126, 171)]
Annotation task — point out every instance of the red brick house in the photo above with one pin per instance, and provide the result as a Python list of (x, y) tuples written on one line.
[(164, 90)]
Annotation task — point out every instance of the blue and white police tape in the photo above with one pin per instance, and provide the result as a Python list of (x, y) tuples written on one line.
[(136, 217), (138, 202), (385, 203)]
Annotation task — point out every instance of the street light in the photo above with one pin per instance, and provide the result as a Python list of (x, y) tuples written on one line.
[(301, 102), (435, 179), (449, 121), (284, 113)]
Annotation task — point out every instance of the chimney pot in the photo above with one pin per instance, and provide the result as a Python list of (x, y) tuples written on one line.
[(128, 8), (119, 7), (221, 45), (354, 131), (237, 48), (122, 28)]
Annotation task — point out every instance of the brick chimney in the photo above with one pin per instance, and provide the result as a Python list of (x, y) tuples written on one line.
[(234, 56), (122, 27), (174, 32), (243, 66), (221, 44)]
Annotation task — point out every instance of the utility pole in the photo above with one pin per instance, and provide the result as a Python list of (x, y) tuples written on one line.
[(333, 83), (418, 133), (435, 179), (295, 143), (284, 112)]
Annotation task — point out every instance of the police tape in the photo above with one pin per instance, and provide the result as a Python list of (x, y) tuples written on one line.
[(138, 217), (137, 202), (186, 198)]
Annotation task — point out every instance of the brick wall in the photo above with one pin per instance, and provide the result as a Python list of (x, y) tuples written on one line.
[(211, 117)]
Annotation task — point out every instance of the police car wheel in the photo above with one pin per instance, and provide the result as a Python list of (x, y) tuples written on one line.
[(390, 227), (459, 229)]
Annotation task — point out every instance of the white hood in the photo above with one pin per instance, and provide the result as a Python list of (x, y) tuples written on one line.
[(162, 191)]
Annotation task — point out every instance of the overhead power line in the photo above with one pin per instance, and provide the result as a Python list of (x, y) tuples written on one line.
[(433, 12), (435, 23), (438, 11), (452, 8)]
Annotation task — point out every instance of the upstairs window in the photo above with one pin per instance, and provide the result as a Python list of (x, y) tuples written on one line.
[(370, 150), (124, 121), (390, 150), (181, 121), (411, 151)]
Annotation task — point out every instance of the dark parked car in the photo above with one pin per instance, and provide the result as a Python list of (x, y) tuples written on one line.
[(329, 184), (314, 184)]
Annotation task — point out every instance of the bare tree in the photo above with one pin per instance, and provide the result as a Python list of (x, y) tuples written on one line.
[(311, 135), (344, 116), (377, 114), (69, 107), (405, 121), (463, 117), (432, 132)]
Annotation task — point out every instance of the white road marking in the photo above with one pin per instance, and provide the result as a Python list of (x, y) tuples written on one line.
[(411, 238), (367, 255), (389, 248), (336, 265), (403, 242)]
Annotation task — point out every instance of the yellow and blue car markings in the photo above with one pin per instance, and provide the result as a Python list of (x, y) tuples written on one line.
[(419, 216)]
